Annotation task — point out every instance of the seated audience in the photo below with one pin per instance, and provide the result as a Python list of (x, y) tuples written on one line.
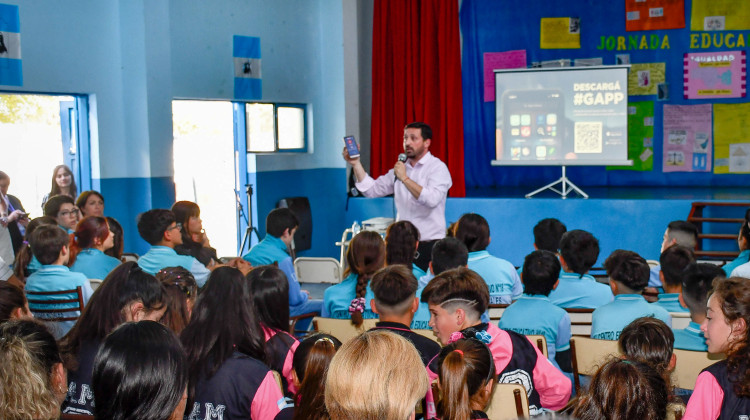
[(127, 294), (722, 390), (90, 203), (673, 262), (26, 263), (194, 240), (13, 304), (696, 285), (159, 228), (534, 314), (91, 239), (743, 242), (466, 378), (624, 389), (180, 292), (50, 246), (500, 275), (579, 251), (401, 242), (396, 302), (452, 253), (225, 353), (547, 235), (311, 361), (269, 289), (351, 298), (140, 372), (63, 210), (679, 232), (457, 298), (366, 381), (119, 243), (281, 224), (32, 378), (628, 276)]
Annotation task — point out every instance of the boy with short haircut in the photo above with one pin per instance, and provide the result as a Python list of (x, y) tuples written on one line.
[(534, 314), (628, 276), (679, 232), (160, 229), (696, 284), (63, 209), (50, 246), (577, 289), (456, 299), (396, 303), (547, 234), (673, 262)]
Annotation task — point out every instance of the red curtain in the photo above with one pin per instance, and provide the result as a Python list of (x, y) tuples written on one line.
[(416, 76)]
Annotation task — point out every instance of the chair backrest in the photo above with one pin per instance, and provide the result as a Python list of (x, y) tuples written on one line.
[(343, 329), (95, 283), (129, 256), (580, 321), (540, 342), (587, 354), (496, 311), (680, 320), (509, 401), (56, 306), (317, 270), (690, 364)]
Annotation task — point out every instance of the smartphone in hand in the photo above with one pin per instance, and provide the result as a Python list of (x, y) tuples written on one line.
[(351, 146)]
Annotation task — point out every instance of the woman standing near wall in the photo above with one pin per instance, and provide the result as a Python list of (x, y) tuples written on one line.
[(63, 183)]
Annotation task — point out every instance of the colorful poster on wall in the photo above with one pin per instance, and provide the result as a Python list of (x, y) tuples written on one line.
[(720, 15), (654, 14), (732, 131), (247, 71), (560, 33), (11, 73), (500, 60), (687, 138), (644, 78), (712, 75), (640, 137)]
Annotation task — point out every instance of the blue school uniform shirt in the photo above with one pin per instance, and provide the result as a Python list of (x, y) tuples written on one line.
[(418, 272), (425, 279), (94, 264), (608, 321), (50, 278), (159, 257), (34, 265), (500, 275), (671, 302), (270, 250), (337, 298), (690, 338), (536, 315), (653, 277), (421, 318), (576, 291), (743, 258)]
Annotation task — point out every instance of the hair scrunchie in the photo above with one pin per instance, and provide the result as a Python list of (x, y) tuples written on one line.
[(357, 305), (479, 335)]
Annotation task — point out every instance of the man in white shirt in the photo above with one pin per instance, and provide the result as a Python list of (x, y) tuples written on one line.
[(419, 187)]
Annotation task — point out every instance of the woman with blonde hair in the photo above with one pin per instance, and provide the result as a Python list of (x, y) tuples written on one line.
[(376, 375)]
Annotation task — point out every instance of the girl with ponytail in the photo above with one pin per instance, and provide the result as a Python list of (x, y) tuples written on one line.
[(351, 298), (466, 376), (310, 363), (91, 238)]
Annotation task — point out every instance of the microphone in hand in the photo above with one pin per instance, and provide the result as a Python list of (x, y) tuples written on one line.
[(402, 159)]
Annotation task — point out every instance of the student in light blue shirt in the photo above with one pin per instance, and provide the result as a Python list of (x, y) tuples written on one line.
[(401, 242), (159, 228), (696, 285), (64, 210), (50, 245), (673, 262), (534, 314), (92, 238), (351, 298), (679, 232), (547, 235), (743, 241), (628, 276), (500, 275), (281, 225), (579, 251)]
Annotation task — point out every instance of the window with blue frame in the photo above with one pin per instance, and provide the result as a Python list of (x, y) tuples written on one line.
[(276, 127)]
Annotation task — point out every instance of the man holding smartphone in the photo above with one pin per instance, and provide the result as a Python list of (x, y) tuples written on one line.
[(419, 187)]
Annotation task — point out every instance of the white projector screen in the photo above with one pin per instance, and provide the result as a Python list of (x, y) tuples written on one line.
[(570, 116)]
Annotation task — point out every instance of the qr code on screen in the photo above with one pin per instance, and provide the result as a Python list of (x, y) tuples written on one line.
[(588, 137)]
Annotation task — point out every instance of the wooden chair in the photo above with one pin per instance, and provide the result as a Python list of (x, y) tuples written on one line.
[(70, 312), (588, 354), (95, 283), (689, 366), (580, 321), (294, 319), (343, 329), (680, 320), (496, 311), (509, 401), (541, 343)]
